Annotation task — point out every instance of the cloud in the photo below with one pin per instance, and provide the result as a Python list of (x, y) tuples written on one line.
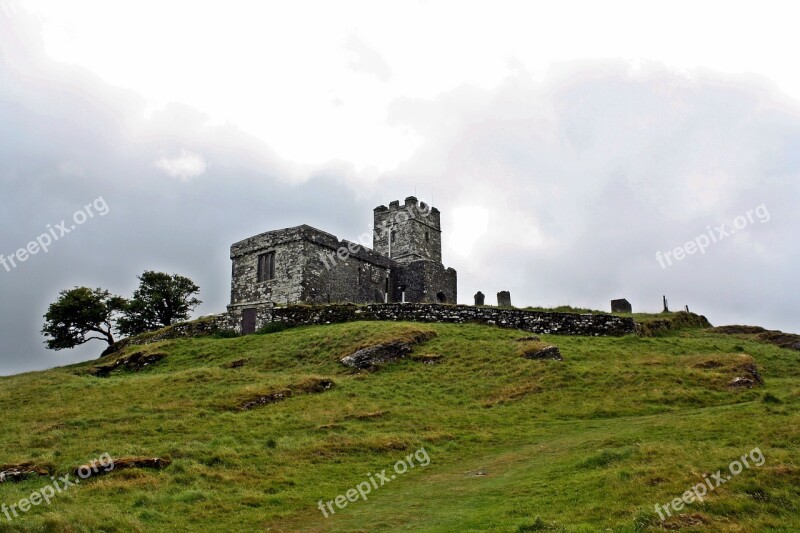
[(366, 59), (562, 187), (185, 166), (589, 172)]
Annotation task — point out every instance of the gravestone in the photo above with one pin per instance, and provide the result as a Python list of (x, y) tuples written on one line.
[(479, 298), (504, 299), (621, 306)]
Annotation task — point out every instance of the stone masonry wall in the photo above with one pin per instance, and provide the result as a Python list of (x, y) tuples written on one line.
[(532, 321), (417, 229), (424, 280), (360, 278)]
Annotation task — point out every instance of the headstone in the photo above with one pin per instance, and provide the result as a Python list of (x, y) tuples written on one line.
[(621, 306), (479, 298), (504, 299)]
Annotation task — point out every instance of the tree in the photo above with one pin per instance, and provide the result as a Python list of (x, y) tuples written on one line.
[(81, 315), (159, 301)]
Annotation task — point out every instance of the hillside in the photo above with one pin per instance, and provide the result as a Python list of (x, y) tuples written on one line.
[(252, 432)]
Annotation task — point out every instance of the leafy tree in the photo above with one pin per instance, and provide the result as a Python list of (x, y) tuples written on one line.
[(159, 301), (81, 315)]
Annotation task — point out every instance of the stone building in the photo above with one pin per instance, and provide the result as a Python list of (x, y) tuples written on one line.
[(306, 265)]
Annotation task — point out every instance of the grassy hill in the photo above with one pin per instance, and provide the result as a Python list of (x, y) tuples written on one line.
[(591, 443)]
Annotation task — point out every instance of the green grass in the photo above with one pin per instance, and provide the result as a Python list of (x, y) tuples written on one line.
[(588, 444)]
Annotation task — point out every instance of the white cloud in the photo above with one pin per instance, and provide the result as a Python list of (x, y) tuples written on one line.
[(469, 225), (186, 166)]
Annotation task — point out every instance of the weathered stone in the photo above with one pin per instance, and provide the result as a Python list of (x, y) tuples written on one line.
[(134, 363), (307, 386), (503, 299), (621, 306), (479, 298), (96, 469), (742, 382), (550, 352), (272, 397), (368, 358), (531, 321), (21, 472), (314, 267)]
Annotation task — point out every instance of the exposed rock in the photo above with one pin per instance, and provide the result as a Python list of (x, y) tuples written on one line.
[(753, 371), (372, 356), (96, 469), (779, 338), (742, 382), (307, 386), (549, 352), (134, 362), (790, 341), (272, 397), (735, 329), (313, 385), (21, 472), (369, 358)]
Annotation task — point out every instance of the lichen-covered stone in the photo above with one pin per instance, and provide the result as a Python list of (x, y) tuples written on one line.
[(548, 352), (532, 321)]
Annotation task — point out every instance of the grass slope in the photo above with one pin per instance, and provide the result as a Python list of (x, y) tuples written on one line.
[(588, 444)]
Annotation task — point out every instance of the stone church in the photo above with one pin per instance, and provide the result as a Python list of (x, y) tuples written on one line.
[(304, 265)]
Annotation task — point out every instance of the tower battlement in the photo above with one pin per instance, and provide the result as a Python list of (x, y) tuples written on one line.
[(408, 232)]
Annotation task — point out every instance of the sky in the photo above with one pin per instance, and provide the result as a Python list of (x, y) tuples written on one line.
[(578, 152)]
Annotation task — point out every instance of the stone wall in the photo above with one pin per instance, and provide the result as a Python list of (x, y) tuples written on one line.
[(359, 278), (532, 321), (246, 290), (426, 282)]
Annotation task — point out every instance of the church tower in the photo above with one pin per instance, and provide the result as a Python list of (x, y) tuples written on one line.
[(408, 232)]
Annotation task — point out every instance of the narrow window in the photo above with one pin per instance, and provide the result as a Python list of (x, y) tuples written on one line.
[(426, 236), (394, 234), (266, 266)]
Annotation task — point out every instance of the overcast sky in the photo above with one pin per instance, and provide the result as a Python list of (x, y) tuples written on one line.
[(565, 146)]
